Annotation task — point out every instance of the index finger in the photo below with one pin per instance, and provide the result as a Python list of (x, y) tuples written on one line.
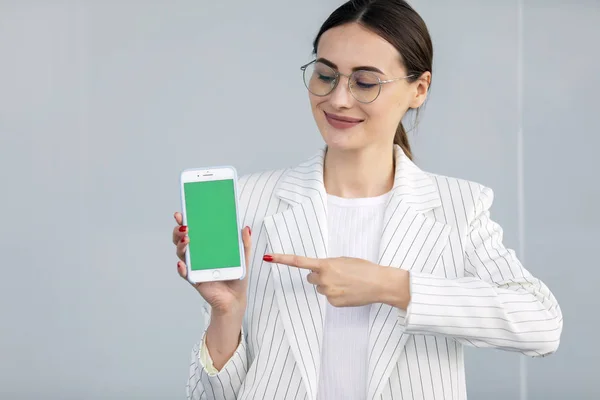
[(313, 264), (179, 231)]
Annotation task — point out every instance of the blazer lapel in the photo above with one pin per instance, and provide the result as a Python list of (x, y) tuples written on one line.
[(301, 230), (412, 240)]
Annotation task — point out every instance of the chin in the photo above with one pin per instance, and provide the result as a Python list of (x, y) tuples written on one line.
[(341, 140)]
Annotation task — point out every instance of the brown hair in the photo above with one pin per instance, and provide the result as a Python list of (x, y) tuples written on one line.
[(399, 24)]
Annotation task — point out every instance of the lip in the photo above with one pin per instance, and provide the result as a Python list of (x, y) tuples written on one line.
[(341, 122), (342, 118)]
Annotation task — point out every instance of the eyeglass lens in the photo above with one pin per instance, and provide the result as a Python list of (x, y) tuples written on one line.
[(321, 79)]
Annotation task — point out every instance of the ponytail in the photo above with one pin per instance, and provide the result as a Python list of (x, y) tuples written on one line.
[(401, 139)]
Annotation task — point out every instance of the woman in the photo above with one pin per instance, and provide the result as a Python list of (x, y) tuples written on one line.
[(367, 276)]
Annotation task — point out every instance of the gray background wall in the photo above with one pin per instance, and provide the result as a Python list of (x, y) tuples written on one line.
[(102, 103)]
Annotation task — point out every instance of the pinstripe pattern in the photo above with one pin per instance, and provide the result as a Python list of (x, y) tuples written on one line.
[(466, 288)]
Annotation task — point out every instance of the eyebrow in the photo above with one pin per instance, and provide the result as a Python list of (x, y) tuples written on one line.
[(361, 68)]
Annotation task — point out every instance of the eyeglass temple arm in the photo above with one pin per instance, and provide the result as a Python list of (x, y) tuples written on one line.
[(306, 65), (397, 79)]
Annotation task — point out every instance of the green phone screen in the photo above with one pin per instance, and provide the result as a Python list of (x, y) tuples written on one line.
[(212, 224)]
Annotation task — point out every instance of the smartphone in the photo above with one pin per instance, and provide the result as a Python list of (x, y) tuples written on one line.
[(209, 203)]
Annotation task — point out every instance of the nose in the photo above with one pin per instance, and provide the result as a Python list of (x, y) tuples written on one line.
[(341, 97)]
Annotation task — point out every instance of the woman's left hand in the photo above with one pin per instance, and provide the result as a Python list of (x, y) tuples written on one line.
[(351, 281)]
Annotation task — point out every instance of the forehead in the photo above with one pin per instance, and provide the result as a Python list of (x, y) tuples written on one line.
[(352, 45)]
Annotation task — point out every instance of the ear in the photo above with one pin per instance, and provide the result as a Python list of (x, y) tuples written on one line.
[(421, 88)]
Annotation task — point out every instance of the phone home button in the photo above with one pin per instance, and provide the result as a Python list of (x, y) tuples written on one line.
[(216, 274)]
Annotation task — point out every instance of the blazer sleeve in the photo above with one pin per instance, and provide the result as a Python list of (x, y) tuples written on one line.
[(205, 382), (497, 304)]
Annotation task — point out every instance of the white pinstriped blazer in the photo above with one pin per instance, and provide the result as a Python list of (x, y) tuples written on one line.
[(466, 289)]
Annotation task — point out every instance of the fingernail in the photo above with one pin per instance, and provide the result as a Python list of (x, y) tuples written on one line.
[(268, 258), (182, 228), (249, 231), (183, 239)]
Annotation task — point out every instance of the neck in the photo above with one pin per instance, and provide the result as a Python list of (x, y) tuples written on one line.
[(359, 173)]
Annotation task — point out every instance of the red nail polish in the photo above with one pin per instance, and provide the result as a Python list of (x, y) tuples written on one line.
[(249, 231), (268, 258), (182, 228), (183, 239)]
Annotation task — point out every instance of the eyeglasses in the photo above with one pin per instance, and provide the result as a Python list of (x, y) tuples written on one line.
[(320, 79)]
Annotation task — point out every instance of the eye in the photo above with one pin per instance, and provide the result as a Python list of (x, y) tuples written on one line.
[(364, 80), (365, 85), (326, 78)]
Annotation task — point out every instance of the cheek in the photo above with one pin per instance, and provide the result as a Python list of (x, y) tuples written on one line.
[(316, 104), (314, 100), (384, 116)]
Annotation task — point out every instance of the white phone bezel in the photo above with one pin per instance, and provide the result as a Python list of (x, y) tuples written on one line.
[(206, 175)]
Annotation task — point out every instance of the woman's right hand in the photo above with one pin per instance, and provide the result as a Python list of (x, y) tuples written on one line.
[(226, 298)]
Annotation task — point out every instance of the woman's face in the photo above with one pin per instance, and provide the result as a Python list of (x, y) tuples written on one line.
[(346, 123)]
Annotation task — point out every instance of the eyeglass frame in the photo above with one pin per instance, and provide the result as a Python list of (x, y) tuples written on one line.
[(337, 80)]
